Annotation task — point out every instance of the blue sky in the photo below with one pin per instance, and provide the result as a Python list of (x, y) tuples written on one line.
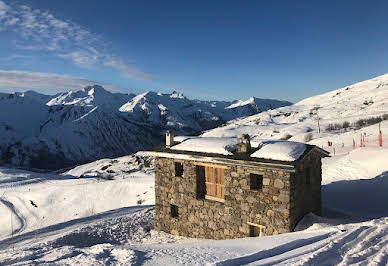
[(206, 49)]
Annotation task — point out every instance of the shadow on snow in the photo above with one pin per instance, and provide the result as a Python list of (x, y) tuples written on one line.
[(362, 199), (55, 229)]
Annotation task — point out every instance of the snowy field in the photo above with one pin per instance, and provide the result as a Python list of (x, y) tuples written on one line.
[(106, 217), (102, 213), (37, 200)]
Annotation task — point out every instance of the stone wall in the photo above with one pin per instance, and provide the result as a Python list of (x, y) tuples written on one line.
[(203, 218), (305, 197)]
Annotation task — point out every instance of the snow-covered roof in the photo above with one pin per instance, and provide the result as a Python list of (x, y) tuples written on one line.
[(224, 146), (280, 150)]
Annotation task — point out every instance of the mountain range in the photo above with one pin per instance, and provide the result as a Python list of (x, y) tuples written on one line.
[(51, 132)]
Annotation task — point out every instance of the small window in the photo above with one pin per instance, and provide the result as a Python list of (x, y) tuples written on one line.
[(201, 181), (255, 231), (174, 211), (256, 181), (178, 169), (308, 181)]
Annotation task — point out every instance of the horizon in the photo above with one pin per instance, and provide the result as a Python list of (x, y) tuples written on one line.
[(222, 50), (129, 92)]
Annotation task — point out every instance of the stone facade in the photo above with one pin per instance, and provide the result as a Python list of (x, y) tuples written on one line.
[(284, 198)]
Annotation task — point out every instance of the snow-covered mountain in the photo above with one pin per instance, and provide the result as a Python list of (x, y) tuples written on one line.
[(79, 225), (338, 116), (69, 128)]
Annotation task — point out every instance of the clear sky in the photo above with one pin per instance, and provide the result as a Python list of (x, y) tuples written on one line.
[(206, 49)]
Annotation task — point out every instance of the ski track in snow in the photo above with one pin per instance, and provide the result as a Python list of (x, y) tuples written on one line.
[(125, 236), (14, 213), (276, 253), (98, 239)]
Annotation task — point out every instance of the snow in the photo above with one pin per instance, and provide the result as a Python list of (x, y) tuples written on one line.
[(91, 96), (361, 176), (280, 150), (256, 104), (106, 184), (357, 164), (241, 103), (181, 138), (267, 149), (62, 127), (225, 146), (354, 229), (117, 230), (295, 122)]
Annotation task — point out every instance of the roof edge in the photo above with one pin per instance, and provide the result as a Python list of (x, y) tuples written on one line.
[(314, 148), (226, 161)]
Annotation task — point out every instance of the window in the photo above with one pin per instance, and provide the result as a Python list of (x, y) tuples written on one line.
[(174, 211), (307, 173), (256, 230), (256, 181), (178, 169), (201, 180), (210, 182)]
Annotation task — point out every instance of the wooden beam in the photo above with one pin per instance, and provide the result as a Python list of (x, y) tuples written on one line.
[(211, 165), (257, 225), (214, 198), (225, 161)]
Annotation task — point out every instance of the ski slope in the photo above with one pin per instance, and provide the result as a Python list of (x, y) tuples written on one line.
[(309, 119)]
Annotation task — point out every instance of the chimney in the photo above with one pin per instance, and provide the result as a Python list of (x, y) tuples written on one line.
[(169, 138), (244, 144)]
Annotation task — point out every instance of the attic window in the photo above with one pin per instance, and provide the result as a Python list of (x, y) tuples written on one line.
[(178, 169), (256, 181), (174, 211)]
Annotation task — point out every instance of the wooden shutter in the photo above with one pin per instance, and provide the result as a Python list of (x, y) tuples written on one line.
[(210, 184), (219, 183), (215, 182)]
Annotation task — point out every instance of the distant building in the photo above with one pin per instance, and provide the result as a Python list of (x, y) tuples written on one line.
[(222, 188)]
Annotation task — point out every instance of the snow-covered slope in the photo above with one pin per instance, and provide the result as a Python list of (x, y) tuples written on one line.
[(104, 217), (335, 112), (91, 96), (353, 231), (70, 128), (178, 112), (36, 200), (254, 105)]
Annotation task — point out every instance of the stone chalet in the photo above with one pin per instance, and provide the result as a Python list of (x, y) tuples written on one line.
[(221, 188)]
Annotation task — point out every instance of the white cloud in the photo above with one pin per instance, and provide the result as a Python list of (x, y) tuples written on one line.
[(39, 80), (83, 58), (3, 9), (41, 31), (125, 69)]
